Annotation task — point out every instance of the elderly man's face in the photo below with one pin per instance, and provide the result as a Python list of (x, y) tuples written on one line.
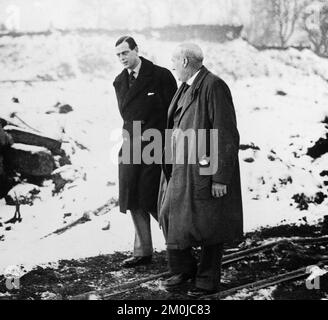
[(128, 57), (178, 65)]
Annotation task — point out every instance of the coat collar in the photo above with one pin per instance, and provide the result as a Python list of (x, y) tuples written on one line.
[(136, 70), (192, 79), (194, 91), (144, 78)]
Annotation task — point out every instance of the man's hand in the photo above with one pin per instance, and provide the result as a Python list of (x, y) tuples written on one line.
[(219, 190)]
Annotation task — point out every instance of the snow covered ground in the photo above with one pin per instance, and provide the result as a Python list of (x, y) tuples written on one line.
[(281, 99)]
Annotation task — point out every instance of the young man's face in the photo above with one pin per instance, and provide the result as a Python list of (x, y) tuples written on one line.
[(128, 57)]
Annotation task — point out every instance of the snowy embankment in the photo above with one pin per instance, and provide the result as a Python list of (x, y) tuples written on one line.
[(281, 100)]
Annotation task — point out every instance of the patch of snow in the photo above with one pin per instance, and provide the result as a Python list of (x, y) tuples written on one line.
[(30, 148)]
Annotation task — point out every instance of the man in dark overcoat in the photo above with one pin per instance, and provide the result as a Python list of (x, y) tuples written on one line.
[(200, 202), (144, 92)]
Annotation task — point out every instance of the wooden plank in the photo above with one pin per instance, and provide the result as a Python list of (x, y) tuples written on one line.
[(115, 290), (250, 252), (34, 139), (265, 283)]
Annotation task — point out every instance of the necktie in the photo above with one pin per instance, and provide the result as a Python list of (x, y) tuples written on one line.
[(132, 79), (183, 93), (187, 86), (181, 100)]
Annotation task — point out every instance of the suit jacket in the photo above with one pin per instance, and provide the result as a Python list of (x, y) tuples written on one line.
[(146, 101)]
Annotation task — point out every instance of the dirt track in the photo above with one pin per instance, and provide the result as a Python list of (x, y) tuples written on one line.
[(76, 277)]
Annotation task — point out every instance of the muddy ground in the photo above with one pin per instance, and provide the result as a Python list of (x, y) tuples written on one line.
[(74, 277)]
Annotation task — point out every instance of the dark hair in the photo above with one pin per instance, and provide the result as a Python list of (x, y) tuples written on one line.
[(131, 42)]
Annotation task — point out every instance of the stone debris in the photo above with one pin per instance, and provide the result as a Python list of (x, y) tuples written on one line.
[(30, 160), (27, 159), (64, 175), (25, 193), (61, 109)]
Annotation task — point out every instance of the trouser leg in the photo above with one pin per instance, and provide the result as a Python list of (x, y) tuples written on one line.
[(209, 269), (143, 245), (179, 261), (164, 220), (182, 261)]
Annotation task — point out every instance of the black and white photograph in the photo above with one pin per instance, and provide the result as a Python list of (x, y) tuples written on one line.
[(164, 150)]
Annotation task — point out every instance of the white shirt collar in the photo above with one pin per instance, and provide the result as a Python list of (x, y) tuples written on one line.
[(136, 70), (192, 79)]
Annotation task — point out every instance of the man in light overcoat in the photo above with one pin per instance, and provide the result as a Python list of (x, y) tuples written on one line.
[(200, 203)]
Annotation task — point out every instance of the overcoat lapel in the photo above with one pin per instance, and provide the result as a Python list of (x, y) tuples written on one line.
[(173, 106), (126, 94), (194, 91), (145, 77), (122, 87), (140, 84)]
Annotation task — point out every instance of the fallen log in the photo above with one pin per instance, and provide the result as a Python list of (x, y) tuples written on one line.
[(112, 203), (30, 160), (24, 136), (85, 218)]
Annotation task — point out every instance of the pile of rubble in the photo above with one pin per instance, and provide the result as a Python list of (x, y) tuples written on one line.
[(27, 159)]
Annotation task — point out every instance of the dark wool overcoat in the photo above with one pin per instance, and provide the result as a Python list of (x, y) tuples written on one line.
[(147, 102), (188, 213)]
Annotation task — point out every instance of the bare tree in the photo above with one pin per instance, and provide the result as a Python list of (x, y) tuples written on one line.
[(315, 23), (324, 27), (286, 14)]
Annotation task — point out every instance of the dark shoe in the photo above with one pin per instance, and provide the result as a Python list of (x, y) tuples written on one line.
[(197, 293), (136, 261), (177, 280)]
